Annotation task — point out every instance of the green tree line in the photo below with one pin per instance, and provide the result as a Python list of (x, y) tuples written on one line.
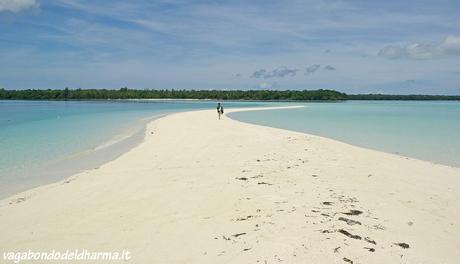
[(125, 93), (414, 97)]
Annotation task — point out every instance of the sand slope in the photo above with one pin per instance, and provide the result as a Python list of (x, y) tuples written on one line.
[(200, 190)]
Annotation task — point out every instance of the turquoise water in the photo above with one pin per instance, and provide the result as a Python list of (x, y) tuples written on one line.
[(43, 141), (423, 130)]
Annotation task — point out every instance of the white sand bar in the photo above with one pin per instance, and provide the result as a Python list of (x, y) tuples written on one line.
[(200, 190)]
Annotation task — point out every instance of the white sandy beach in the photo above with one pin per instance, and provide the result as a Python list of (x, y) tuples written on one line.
[(202, 190)]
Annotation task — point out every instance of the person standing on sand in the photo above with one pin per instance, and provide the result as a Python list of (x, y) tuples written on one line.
[(220, 110)]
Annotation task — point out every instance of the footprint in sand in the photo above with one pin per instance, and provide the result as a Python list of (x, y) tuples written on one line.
[(348, 234), (349, 221), (18, 200), (353, 212), (403, 245)]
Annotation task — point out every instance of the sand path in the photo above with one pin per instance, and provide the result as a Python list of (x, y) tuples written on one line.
[(200, 190)]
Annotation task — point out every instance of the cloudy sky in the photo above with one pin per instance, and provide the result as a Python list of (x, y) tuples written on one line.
[(356, 46)]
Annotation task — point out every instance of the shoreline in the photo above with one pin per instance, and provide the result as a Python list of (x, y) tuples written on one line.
[(126, 144), (377, 151), (356, 146), (246, 193), (61, 171), (141, 134), (81, 161)]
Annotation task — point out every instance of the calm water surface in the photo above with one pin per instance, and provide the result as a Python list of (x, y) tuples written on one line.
[(424, 130), (43, 141)]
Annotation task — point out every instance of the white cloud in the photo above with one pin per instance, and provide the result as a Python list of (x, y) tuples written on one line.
[(312, 69), (392, 52), (17, 5), (201, 44), (450, 46), (278, 72)]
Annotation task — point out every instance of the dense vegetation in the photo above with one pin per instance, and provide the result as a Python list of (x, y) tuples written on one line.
[(125, 93), (419, 97)]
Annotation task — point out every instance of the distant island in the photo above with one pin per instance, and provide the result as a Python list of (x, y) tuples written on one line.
[(265, 95)]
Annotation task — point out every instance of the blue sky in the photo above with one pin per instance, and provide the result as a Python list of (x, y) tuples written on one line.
[(351, 46)]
